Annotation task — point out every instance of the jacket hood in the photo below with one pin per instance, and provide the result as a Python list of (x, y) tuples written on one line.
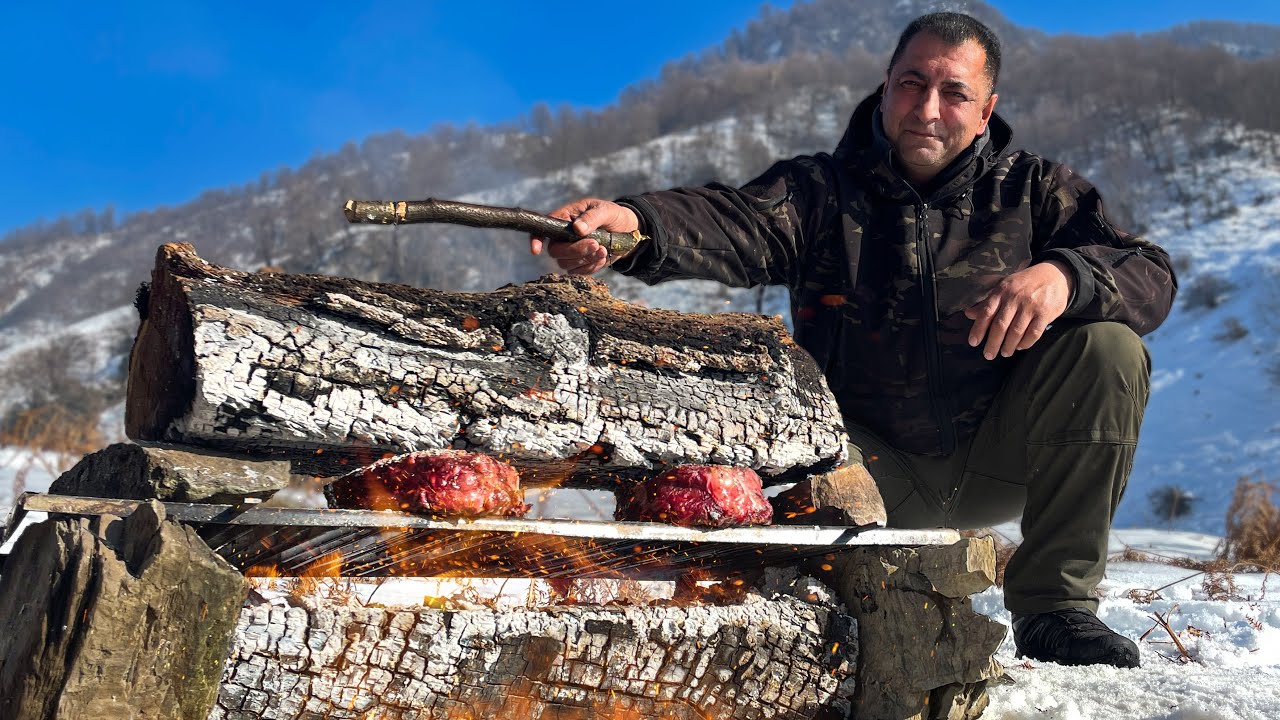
[(864, 149)]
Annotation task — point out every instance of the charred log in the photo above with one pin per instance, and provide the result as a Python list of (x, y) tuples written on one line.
[(555, 377), (777, 656)]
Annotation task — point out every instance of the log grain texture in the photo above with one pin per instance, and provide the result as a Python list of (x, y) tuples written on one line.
[(782, 657), (556, 377)]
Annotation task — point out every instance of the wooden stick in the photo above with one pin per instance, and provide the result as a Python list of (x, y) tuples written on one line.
[(401, 212)]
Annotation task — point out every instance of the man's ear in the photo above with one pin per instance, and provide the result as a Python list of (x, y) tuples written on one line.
[(988, 110)]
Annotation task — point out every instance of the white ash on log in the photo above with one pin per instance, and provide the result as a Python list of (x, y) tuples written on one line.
[(556, 377), (171, 473), (114, 619), (774, 656)]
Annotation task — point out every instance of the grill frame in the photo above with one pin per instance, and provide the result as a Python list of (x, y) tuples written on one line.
[(297, 541)]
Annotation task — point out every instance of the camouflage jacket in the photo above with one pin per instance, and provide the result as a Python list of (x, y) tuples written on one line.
[(881, 273)]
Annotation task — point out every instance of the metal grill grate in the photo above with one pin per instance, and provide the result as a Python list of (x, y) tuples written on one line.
[(355, 543)]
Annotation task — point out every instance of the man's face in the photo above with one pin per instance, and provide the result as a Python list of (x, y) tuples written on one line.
[(937, 99)]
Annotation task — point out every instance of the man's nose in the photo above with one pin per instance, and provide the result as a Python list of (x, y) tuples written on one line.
[(929, 106)]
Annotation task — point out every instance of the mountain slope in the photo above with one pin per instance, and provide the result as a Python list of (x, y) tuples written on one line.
[(1204, 187)]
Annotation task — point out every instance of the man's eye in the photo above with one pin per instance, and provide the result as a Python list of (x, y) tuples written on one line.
[(959, 97)]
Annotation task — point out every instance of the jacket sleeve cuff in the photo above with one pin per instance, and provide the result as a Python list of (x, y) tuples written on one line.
[(649, 254), (1083, 292)]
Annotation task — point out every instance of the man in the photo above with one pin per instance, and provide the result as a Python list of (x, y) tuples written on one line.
[(974, 311)]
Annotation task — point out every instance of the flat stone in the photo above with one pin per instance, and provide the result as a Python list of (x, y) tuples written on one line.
[(962, 569), (126, 471), (851, 489)]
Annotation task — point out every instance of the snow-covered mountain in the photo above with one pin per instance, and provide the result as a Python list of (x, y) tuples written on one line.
[(1215, 409), (1214, 414), (1206, 189)]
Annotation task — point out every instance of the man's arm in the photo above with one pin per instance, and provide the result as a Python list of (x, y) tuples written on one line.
[(754, 235), (1118, 276), (1083, 267)]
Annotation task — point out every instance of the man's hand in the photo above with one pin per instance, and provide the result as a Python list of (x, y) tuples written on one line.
[(1016, 312), (585, 257)]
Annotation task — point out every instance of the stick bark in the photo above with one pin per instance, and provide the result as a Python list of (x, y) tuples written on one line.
[(431, 210)]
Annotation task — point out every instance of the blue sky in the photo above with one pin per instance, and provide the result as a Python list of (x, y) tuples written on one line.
[(150, 103)]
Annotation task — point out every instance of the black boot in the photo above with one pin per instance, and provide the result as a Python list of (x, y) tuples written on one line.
[(1074, 636)]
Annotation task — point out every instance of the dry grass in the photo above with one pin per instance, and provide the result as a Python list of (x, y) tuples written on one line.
[(1251, 544), (56, 437), (1253, 527), (1132, 555)]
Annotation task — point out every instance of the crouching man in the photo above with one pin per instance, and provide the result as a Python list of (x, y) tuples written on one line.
[(975, 313)]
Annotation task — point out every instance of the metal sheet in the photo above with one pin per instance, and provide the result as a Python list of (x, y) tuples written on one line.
[(365, 542)]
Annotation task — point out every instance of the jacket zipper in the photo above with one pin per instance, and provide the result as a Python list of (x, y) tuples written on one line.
[(933, 349)]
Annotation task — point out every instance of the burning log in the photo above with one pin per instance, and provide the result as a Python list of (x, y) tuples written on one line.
[(556, 377), (788, 652), (782, 650)]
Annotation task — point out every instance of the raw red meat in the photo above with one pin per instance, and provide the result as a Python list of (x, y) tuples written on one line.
[(441, 482), (698, 495)]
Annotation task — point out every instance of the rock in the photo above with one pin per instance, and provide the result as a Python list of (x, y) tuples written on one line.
[(114, 620), (851, 489), (173, 474), (924, 652), (962, 569)]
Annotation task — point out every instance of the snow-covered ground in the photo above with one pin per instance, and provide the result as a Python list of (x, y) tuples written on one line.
[(1233, 643)]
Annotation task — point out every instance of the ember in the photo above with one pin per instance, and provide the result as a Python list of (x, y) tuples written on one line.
[(698, 495), (445, 482)]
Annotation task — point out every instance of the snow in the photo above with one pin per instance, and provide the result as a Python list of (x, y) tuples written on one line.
[(1214, 414), (1234, 645), (104, 325)]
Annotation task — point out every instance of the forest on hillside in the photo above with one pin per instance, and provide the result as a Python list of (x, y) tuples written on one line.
[(1109, 104)]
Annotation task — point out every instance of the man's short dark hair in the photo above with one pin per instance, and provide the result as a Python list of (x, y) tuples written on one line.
[(954, 29)]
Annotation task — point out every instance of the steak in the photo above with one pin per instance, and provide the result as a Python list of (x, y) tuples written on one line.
[(450, 483), (698, 496)]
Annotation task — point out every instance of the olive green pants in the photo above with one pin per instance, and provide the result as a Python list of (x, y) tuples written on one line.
[(1055, 448)]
